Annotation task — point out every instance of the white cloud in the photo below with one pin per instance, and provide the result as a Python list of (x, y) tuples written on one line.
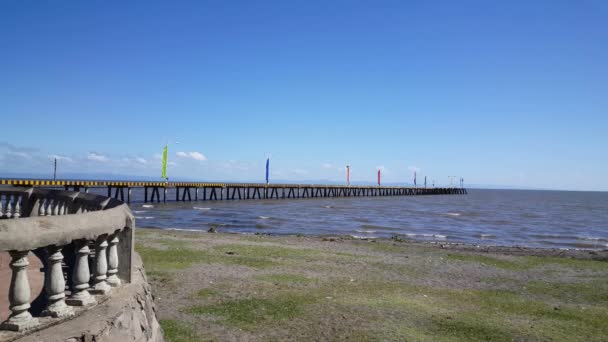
[(19, 154), (60, 158), (97, 157), (192, 155), (141, 160)]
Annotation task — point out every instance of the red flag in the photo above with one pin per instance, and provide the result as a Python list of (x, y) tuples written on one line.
[(378, 177)]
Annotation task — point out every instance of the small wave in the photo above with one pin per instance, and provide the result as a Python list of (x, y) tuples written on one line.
[(486, 236), (453, 214), (364, 237), (591, 238), (264, 217), (144, 217), (437, 236), (365, 231), (555, 236), (184, 229), (327, 206), (200, 208), (377, 227), (139, 211), (147, 206)]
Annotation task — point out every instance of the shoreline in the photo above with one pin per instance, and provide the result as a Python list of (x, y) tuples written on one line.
[(582, 254)]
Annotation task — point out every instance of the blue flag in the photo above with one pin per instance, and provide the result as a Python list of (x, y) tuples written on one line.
[(267, 168)]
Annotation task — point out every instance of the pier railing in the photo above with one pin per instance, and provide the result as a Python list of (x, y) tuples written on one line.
[(82, 240), (193, 191)]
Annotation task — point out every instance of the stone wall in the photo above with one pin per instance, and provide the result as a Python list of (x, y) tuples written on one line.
[(129, 314)]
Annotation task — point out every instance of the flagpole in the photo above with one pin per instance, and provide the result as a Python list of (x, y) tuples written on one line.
[(267, 169), (348, 175)]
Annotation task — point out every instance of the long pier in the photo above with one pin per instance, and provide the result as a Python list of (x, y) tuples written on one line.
[(195, 191)]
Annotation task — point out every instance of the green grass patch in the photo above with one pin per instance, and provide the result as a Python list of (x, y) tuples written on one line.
[(206, 293), (162, 276), (474, 315), (487, 260), (388, 247), (563, 322), (247, 313), (468, 329), (176, 331), (172, 243), (170, 258), (181, 258), (577, 264), (595, 292), (285, 278), (263, 251), (518, 263)]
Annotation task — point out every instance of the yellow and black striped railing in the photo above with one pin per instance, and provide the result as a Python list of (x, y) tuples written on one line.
[(139, 184), (100, 183)]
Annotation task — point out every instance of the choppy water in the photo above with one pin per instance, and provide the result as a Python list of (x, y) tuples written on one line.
[(495, 217)]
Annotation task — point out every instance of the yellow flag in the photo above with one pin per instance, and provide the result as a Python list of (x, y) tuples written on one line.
[(164, 167)]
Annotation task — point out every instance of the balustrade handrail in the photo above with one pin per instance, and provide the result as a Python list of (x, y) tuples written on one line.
[(29, 233), (50, 223)]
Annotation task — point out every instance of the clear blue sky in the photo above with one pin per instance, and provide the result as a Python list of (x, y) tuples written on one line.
[(511, 93)]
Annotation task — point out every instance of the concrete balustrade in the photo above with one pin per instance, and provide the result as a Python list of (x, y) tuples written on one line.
[(63, 229)]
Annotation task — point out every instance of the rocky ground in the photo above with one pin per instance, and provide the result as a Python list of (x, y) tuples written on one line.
[(229, 287)]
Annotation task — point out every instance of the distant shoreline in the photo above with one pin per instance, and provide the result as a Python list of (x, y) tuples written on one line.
[(581, 254)]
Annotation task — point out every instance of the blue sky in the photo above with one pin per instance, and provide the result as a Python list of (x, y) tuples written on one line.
[(510, 93)]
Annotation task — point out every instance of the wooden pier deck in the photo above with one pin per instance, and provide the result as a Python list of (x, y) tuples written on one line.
[(195, 191)]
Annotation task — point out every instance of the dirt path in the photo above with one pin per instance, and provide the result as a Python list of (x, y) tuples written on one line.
[(228, 287)]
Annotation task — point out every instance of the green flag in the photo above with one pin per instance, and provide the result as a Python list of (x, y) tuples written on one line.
[(164, 168)]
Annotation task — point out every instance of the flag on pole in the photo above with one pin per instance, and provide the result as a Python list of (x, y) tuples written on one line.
[(414, 178), (164, 163), (378, 177), (267, 168), (348, 174), (425, 181)]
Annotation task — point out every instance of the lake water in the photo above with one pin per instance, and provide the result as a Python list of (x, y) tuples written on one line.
[(558, 219)]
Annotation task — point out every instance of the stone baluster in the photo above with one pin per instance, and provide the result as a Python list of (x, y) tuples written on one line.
[(41, 207), (113, 279), (9, 206), (1, 207), (54, 285), (17, 212), (55, 207), (101, 266), (81, 276), (19, 295)]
